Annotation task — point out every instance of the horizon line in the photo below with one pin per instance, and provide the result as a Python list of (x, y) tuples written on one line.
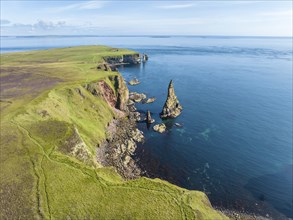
[(146, 35)]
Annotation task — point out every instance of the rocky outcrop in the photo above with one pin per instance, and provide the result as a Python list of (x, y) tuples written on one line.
[(131, 58), (76, 147), (148, 100), (149, 118), (144, 57), (172, 107), (134, 82), (113, 59), (124, 59), (136, 97), (106, 67), (119, 147), (160, 128)]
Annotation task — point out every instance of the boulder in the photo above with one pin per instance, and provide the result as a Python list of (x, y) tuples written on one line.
[(134, 82), (126, 160), (160, 128), (132, 108), (137, 135), (136, 97), (148, 100), (135, 116), (172, 107), (131, 146)]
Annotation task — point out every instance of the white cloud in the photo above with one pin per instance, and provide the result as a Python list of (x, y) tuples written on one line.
[(88, 5), (177, 6)]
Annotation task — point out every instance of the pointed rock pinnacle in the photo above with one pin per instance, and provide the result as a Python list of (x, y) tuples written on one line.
[(172, 107)]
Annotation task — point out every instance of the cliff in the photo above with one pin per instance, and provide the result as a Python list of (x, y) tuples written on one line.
[(56, 107)]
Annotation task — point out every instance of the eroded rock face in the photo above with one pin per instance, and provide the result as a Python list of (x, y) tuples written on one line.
[(124, 59), (122, 92), (172, 107), (107, 93), (131, 58), (101, 88)]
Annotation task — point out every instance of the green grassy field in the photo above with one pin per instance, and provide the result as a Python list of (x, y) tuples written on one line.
[(44, 108)]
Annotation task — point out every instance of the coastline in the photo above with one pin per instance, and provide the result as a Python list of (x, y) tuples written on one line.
[(84, 92)]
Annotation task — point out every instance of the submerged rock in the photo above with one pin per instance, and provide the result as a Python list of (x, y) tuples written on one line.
[(149, 118), (172, 107), (160, 128), (134, 82)]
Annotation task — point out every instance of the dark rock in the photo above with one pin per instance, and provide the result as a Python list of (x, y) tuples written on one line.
[(149, 118), (131, 58)]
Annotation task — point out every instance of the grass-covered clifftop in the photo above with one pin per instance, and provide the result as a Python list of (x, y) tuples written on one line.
[(53, 116)]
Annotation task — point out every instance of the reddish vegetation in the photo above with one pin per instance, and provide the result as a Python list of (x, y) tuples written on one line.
[(15, 82)]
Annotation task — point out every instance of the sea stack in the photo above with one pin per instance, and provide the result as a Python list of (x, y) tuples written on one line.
[(172, 107), (149, 119)]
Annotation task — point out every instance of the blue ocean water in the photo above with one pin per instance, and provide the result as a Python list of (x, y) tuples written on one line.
[(236, 139)]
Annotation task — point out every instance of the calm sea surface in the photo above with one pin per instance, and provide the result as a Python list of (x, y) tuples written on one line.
[(236, 139)]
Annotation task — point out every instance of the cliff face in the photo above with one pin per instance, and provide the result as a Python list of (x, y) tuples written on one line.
[(117, 96), (172, 107), (123, 59), (122, 92)]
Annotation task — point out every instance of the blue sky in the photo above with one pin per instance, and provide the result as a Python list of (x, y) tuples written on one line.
[(232, 18)]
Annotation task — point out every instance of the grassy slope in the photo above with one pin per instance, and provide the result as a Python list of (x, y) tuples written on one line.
[(40, 108)]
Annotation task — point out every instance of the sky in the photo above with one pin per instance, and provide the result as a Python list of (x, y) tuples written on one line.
[(227, 18)]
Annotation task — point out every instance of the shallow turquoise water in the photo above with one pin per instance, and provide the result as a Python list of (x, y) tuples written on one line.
[(236, 142)]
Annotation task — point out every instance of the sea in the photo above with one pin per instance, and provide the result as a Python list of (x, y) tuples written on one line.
[(235, 142)]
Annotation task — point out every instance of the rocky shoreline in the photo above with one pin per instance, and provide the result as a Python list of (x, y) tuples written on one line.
[(120, 145)]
